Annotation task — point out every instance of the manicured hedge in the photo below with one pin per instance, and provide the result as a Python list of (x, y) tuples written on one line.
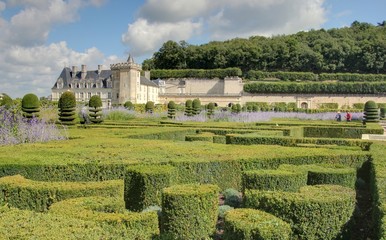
[(195, 73), (244, 223), (189, 211), (23, 193), (378, 188), (292, 76), (315, 212), (352, 77), (206, 137), (178, 134), (274, 180), (316, 88), (143, 185), (341, 132), (24, 224), (292, 142), (326, 174), (110, 213)]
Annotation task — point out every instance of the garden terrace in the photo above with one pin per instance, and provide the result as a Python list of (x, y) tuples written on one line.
[(100, 153)]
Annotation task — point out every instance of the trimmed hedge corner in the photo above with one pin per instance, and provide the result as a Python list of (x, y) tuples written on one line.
[(281, 180), (23, 193), (144, 184), (315, 212), (244, 223), (189, 211), (110, 213)]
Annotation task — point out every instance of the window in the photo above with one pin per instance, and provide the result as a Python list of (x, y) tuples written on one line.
[(89, 95), (109, 95), (117, 95)]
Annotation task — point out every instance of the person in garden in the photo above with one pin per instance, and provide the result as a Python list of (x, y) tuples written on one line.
[(348, 116), (338, 117)]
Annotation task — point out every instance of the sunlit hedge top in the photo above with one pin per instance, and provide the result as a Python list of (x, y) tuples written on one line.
[(95, 102), (196, 73), (67, 100), (30, 101)]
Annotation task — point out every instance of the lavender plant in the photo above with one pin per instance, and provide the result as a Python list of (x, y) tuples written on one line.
[(15, 129)]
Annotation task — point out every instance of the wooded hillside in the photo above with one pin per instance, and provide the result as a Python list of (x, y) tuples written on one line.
[(360, 48)]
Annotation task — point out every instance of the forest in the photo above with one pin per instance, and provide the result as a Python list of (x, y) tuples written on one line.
[(358, 48)]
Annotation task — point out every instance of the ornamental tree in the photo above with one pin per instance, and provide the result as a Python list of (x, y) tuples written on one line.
[(67, 105), (95, 109), (30, 105)]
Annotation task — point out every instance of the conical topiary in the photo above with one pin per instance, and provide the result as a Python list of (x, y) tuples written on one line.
[(30, 105), (171, 110), (371, 112), (95, 110), (67, 104), (196, 105), (189, 108)]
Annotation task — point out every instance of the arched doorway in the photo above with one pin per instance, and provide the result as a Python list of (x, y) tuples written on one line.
[(304, 105)]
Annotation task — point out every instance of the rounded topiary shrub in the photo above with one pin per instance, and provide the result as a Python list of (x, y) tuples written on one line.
[(129, 105), (172, 110), (383, 112), (196, 106), (67, 104), (95, 110), (282, 180), (244, 223), (315, 212), (149, 107), (144, 184), (30, 105), (210, 108), (189, 211), (232, 197), (189, 108), (5, 100), (371, 112)]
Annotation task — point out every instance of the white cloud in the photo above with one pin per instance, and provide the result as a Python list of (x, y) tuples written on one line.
[(27, 63), (35, 69), (162, 20), (143, 37)]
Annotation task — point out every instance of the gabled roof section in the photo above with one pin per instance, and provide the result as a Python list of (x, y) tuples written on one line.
[(65, 75), (147, 82)]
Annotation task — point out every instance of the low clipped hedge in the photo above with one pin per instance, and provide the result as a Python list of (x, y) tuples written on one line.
[(244, 223), (315, 212), (274, 180), (23, 193), (111, 215), (340, 132), (189, 211), (205, 137), (167, 135), (24, 224), (378, 188), (326, 174), (195, 73), (144, 184), (293, 142)]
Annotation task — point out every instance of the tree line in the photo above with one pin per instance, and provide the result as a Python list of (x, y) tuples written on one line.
[(359, 48)]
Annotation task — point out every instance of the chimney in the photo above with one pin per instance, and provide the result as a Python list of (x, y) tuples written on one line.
[(74, 71), (99, 69), (84, 71)]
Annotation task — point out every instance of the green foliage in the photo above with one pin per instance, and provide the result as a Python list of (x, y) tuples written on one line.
[(382, 112), (196, 106), (128, 105), (232, 197), (189, 108), (172, 110), (143, 185), (328, 106), (210, 108), (292, 76), (149, 107), (5, 100), (30, 105), (39, 196), (206, 137), (316, 87), (95, 102), (49, 226), (189, 211), (371, 112), (244, 223), (315, 212), (195, 73), (67, 104), (110, 213), (274, 180), (223, 209)]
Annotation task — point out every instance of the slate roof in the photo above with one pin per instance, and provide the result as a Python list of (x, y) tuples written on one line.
[(147, 82), (65, 75)]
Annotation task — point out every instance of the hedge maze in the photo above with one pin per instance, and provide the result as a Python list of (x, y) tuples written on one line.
[(132, 181)]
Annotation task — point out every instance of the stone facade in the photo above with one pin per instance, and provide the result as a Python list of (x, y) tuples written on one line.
[(123, 82)]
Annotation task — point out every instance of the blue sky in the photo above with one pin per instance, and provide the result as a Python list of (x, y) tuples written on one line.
[(39, 37)]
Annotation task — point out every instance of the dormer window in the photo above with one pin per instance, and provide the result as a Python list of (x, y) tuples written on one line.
[(59, 84)]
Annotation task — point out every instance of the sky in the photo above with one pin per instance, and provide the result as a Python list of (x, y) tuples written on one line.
[(38, 38)]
